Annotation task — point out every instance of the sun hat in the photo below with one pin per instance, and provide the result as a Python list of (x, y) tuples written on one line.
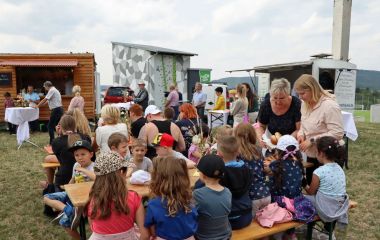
[(108, 162), (163, 140), (212, 166), (81, 144), (286, 141), (140, 177), (152, 109)]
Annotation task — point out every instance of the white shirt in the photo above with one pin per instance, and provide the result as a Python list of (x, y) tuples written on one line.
[(54, 98), (199, 97), (104, 132)]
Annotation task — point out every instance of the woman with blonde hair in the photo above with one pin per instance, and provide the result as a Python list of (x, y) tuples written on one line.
[(239, 108), (81, 121), (77, 101), (110, 116), (321, 116)]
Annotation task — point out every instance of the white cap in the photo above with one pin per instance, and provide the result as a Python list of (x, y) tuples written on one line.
[(140, 177), (286, 141), (152, 109), (141, 82)]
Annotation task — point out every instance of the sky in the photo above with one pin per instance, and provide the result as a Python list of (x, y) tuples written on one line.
[(226, 35)]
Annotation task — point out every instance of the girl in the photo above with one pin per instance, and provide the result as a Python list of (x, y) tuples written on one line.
[(112, 209), (328, 185), (225, 130), (170, 214), (199, 145), (239, 108), (250, 153)]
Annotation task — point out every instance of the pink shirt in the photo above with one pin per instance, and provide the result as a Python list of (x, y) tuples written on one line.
[(8, 103), (77, 102), (117, 223), (173, 98), (193, 148)]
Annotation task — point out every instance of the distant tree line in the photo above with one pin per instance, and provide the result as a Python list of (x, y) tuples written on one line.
[(367, 97)]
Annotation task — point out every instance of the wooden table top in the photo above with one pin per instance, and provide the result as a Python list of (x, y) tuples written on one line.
[(79, 192)]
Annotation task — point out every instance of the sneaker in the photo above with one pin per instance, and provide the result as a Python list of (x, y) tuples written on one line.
[(57, 218), (76, 218)]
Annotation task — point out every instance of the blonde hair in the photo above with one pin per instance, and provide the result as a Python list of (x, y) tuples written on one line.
[(247, 140), (225, 130), (81, 122), (228, 145), (280, 85), (76, 90), (68, 126), (110, 114), (241, 91), (308, 83), (138, 142)]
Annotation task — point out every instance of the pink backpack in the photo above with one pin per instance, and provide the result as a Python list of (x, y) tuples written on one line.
[(272, 214)]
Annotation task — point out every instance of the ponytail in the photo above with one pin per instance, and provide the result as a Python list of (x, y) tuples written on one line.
[(333, 149)]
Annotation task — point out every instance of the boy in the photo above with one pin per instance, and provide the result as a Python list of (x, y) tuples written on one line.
[(220, 101), (163, 143), (118, 142), (8, 103), (237, 179), (83, 171), (213, 201), (138, 160)]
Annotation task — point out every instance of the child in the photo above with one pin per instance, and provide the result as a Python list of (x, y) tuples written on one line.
[(195, 151), (169, 214), (328, 185), (225, 130), (213, 201), (169, 114), (237, 179), (118, 142), (8, 103), (163, 143), (250, 153), (112, 209), (138, 160), (83, 171), (287, 169)]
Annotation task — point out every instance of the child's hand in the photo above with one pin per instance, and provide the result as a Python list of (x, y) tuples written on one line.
[(79, 169), (305, 145)]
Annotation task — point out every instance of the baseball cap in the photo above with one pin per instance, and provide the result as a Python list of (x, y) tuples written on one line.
[(163, 140), (152, 109), (286, 141), (212, 166), (108, 162), (81, 144)]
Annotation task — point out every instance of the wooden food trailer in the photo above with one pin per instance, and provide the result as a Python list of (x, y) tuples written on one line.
[(17, 71)]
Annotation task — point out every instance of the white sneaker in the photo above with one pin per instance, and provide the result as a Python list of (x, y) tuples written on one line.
[(57, 218)]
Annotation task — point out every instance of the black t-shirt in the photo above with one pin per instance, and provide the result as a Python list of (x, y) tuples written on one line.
[(136, 127), (189, 128), (284, 124), (65, 157)]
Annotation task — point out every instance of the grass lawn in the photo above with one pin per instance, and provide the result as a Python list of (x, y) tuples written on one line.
[(21, 209), (366, 114)]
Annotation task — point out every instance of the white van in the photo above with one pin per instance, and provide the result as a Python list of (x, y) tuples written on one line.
[(209, 89)]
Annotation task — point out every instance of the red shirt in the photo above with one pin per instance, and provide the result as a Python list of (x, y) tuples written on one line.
[(117, 223)]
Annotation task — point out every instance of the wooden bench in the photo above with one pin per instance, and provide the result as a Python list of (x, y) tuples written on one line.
[(255, 231), (50, 165)]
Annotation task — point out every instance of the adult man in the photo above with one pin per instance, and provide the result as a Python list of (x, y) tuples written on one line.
[(173, 100), (54, 99), (137, 120), (142, 96), (33, 99), (199, 100), (157, 124)]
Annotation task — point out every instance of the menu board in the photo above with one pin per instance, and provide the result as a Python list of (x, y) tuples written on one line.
[(345, 84), (5, 79)]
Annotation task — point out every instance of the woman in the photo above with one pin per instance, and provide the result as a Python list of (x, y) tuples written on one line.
[(77, 101), (253, 103), (280, 112), (110, 116), (321, 116), (81, 121), (239, 108), (188, 123)]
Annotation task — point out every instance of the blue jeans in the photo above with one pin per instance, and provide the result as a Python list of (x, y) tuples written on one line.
[(67, 216)]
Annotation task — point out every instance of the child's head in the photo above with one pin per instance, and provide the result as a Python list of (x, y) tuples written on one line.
[(225, 130), (288, 148), (211, 166), (228, 147), (118, 142), (169, 113), (163, 143), (331, 149), (7, 95), (83, 152), (218, 91), (246, 137), (171, 182), (68, 127), (139, 148), (110, 185)]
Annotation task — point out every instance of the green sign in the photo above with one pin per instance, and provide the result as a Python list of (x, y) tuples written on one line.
[(205, 76)]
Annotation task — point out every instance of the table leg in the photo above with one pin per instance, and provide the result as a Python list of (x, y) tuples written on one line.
[(82, 228), (346, 146)]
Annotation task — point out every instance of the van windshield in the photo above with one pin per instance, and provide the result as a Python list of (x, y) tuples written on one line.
[(119, 91)]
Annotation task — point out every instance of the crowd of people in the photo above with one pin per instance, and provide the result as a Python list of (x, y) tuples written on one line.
[(240, 177)]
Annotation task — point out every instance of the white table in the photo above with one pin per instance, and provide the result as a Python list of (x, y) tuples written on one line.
[(349, 126), (21, 116), (217, 118)]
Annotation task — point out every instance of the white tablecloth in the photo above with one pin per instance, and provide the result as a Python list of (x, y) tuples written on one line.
[(217, 117), (349, 126), (21, 116)]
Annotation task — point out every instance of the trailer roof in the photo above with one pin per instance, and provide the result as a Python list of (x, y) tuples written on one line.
[(156, 49), (283, 66)]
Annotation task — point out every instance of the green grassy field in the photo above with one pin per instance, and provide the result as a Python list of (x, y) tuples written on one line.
[(21, 205), (366, 114)]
